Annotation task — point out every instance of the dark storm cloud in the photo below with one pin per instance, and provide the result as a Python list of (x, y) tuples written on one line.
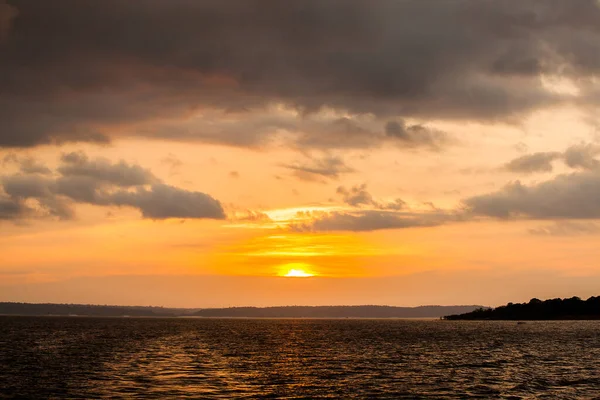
[(99, 182), (74, 70), (569, 196), (536, 162)]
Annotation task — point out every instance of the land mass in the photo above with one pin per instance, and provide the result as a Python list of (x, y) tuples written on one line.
[(334, 311), (366, 311), (553, 309)]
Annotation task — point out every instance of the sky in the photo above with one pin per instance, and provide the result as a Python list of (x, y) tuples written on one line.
[(262, 152)]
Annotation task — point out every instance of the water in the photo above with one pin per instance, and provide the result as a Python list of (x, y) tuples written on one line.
[(57, 357)]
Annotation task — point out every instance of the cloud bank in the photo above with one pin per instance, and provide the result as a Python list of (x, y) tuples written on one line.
[(93, 70), (30, 194), (580, 156)]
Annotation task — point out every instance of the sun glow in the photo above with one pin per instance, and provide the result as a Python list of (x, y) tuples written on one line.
[(297, 273), (296, 270)]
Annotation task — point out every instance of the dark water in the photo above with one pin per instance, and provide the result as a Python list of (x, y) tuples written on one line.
[(198, 358)]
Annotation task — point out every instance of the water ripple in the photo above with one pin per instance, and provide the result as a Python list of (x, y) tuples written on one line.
[(297, 359)]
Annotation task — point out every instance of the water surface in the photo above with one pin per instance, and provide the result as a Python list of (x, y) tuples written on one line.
[(55, 357)]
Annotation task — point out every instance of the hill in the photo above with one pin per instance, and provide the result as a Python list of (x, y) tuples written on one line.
[(553, 309), (234, 312), (334, 311), (86, 310)]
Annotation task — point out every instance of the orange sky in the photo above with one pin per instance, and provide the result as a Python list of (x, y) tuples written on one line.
[(403, 159)]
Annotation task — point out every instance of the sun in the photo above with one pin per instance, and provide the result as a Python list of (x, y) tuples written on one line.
[(296, 270), (297, 273)]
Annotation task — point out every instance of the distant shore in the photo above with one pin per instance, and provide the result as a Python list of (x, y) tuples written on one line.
[(572, 308), (365, 311)]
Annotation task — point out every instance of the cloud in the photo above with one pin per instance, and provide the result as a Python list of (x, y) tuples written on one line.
[(31, 166), (567, 228), (339, 133), (7, 14), (582, 156), (572, 196), (414, 136), (365, 220), (27, 165), (164, 201), (67, 74), (568, 196), (327, 166), (102, 183), (536, 162), (102, 170), (11, 209), (358, 196), (250, 216), (368, 214), (21, 188)]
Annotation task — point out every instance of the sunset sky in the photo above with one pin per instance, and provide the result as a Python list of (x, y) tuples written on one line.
[(192, 153)]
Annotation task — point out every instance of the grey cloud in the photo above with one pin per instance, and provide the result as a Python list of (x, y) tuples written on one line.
[(27, 165), (339, 133), (327, 166), (11, 209), (357, 196), (21, 188), (465, 59), (102, 170), (416, 135), (582, 156), (567, 228), (25, 186), (366, 220), (99, 182), (569, 196), (7, 14), (31, 166), (82, 189), (164, 201), (536, 162)]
